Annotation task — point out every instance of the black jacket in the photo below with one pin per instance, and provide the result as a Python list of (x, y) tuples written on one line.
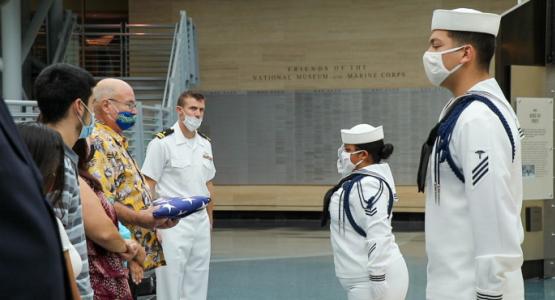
[(31, 259)]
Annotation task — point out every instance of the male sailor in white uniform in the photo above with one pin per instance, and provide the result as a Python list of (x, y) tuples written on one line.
[(367, 260), (472, 158), (179, 163)]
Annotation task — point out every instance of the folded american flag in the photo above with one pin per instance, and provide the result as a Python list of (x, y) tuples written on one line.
[(179, 207)]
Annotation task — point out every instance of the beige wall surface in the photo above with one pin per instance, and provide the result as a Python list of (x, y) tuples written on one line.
[(308, 44), (297, 198)]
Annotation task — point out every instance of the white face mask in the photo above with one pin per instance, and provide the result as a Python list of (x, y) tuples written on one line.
[(344, 164), (192, 123), (434, 67)]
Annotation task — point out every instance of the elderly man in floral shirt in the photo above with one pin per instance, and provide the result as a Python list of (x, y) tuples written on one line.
[(123, 184)]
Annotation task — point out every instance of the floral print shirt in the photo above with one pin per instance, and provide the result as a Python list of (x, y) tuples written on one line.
[(122, 182)]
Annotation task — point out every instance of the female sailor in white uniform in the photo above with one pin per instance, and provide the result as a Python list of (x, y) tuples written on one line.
[(367, 260)]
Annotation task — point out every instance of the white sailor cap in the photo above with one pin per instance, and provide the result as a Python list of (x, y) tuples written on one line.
[(361, 134), (465, 19)]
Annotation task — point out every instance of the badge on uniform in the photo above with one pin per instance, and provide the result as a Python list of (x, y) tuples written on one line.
[(481, 167), (164, 133), (205, 155)]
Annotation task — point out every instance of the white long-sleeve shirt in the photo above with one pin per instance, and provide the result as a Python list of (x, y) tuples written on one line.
[(356, 256), (473, 229)]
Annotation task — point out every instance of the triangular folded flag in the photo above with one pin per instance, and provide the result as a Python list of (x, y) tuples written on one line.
[(179, 207)]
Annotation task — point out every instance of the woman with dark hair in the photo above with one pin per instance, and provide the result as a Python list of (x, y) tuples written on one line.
[(367, 260), (107, 250), (47, 150)]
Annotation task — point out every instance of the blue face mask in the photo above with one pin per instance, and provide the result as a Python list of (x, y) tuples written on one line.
[(126, 120), (87, 130)]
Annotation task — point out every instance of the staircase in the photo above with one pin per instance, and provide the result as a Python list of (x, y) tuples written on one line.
[(158, 60), (148, 90), (138, 54)]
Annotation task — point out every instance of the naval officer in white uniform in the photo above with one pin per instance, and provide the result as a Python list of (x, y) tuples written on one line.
[(179, 163), (367, 260), (470, 168)]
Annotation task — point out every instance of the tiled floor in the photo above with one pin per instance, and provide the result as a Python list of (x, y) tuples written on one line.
[(292, 263)]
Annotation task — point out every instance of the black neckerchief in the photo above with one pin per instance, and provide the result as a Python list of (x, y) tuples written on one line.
[(428, 147), (327, 198)]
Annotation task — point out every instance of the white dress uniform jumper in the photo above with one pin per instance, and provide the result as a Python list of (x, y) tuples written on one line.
[(182, 167), (473, 187), (374, 256), (364, 249), (473, 202)]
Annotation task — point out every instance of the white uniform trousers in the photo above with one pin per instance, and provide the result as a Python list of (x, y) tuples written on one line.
[(187, 251), (397, 277)]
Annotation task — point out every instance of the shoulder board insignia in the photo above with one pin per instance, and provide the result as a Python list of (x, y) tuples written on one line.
[(164, 133), (204, 136)]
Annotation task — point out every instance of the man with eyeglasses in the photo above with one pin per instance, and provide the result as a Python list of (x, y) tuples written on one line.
[(123, 184)]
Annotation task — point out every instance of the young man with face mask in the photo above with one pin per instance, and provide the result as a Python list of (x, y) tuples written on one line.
[(122, 182), (470, 168), (64, 95), (179, 163), (367, 260)]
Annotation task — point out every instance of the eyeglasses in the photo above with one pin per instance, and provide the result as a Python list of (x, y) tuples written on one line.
[(131, 105)]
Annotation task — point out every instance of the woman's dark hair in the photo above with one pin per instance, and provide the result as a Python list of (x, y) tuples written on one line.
[(378, 150), (86, 153), (47, 149)]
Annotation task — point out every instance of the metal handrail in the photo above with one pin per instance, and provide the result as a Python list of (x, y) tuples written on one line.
[(21, 102), (150, 25), (129, 25), (112, 58), (196, 69), (149, 34), (67, 29), (176, 63), (116, 47), (157, 117), (23, 110), (170, 65), (183, 68)]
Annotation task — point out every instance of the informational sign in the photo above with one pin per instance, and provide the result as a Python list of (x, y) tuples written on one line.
[(536, 121)]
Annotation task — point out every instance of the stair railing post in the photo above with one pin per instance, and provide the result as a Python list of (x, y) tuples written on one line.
[(139, 135), (159, 117), (121, 55)]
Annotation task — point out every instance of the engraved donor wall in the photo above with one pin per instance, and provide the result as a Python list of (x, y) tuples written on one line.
[(292, 137)]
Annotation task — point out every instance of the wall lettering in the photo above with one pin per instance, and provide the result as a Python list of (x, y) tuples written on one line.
[(329, 72)]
